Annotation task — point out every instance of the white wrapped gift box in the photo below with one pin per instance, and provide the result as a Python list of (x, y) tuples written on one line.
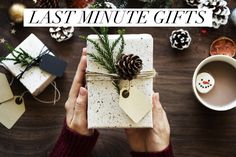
[(103, 101), (34, 79)]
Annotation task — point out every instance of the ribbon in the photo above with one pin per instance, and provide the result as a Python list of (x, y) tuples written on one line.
[(35, 62), (100, 76)]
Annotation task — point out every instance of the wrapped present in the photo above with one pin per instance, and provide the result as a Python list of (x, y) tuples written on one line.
[(33, 78), (105, 109)]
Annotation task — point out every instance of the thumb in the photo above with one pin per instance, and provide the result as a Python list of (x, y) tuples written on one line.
[(159, 114), (156, 102)]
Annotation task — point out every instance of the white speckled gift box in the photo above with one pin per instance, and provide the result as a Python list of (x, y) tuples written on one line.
[(34, 79), (103, 100)]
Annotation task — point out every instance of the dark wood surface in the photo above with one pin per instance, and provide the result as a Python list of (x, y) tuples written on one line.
[(195, 130)]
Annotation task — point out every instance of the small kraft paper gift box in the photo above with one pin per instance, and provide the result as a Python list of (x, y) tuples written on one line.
[(105, 107), (34, 79)]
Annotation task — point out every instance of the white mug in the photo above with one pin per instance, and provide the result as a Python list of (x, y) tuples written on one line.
[(210, 59)]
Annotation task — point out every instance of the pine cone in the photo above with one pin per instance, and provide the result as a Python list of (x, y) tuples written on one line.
[(61, 33), (120, 3), (233, 16), (47, 3), (180, 39), (128, 66), (193, 3), (220, 11), (157, 3), (103, 4)]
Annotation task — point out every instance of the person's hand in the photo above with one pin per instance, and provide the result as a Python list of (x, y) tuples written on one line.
[(155, 139), (76, 105)]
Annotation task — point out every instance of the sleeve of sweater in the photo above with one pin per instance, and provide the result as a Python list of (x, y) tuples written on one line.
[(168, 152), (72, 144)]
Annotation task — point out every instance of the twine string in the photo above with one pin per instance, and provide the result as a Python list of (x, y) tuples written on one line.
[(12, 77), (57, 95), (100, 76)]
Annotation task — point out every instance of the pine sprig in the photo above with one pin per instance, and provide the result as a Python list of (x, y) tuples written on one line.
[(18, 56), (122, 44), (114, 44), (105, 55), (103, 38), (116, 85), (101, 61)]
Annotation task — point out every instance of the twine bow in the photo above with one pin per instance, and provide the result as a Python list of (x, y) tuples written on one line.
[(35, 62)]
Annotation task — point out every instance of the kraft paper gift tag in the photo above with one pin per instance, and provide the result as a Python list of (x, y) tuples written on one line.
[(5, 89), (134, 103), (11, 111)]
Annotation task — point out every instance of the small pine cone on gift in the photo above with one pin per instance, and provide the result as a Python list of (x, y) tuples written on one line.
[(180, 39), (47, 3), (128, 66), (61, 33), (220, 11), (193, 3)]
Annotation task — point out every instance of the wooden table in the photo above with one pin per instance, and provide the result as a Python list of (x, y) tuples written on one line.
[(195, 130)]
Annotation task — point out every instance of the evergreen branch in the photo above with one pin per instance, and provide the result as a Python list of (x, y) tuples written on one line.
[(105, 52), (9, 59), (98, 34), (104, 30), (98, 4), (121, 49), (101, 61), (103, 40), (116, 85), (115, 43), (106, 45), (83, 37), (10, 48), (102, 53), (25, 53), (19, 56)]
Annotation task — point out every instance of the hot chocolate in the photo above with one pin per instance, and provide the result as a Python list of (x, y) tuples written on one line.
[(224, 91)]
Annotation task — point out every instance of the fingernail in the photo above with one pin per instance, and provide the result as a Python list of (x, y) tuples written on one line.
[(82, 91)]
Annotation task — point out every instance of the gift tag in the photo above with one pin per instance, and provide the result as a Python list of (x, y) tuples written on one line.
[(5, 89), (11, 111), (135, 104), (204, 82), (52, 65)]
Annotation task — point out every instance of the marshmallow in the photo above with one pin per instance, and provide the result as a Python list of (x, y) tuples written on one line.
[(204, 82)]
